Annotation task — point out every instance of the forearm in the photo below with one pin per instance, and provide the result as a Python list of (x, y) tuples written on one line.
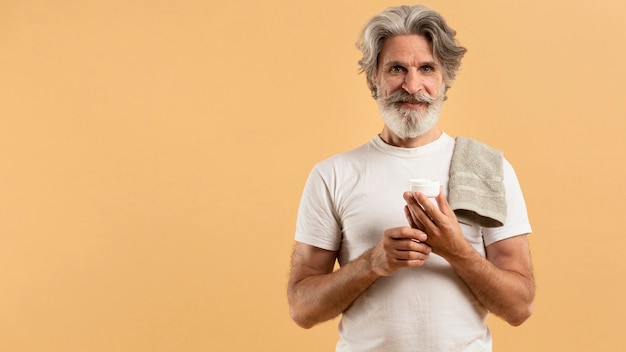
[(506, 293), (317, 298)]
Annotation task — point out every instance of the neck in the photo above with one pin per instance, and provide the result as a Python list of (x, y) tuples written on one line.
[(392, 139)]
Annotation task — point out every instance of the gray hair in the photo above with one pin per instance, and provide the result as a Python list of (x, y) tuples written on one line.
[(404, 20)]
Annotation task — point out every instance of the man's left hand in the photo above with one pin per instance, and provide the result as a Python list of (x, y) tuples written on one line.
[(438, 221)]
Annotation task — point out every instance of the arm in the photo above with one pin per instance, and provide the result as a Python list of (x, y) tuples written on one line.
[(316, 293), (503, 281)]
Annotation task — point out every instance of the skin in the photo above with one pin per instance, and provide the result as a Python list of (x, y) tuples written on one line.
[(406, 62), (502, 282)]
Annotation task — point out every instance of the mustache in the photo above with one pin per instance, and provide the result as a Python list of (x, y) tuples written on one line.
[(401, 96)]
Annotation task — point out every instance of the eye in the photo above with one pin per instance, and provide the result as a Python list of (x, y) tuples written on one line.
[(396, 69), (427, 68)]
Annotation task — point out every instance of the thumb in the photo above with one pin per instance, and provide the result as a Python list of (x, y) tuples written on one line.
[(442, 202)]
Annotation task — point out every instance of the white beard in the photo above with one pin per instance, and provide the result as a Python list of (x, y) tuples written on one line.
[(409, 123)]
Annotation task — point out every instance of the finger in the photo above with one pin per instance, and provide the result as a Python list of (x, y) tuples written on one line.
[(445, 209), (411, 255), (410, 245), (410, 251), (413, 221), (409, 216), (414, 205), (442, 202), (430, 212), (411, 200), (405, 233)]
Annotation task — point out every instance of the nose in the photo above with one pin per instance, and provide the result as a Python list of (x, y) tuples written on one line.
[(412, 82)]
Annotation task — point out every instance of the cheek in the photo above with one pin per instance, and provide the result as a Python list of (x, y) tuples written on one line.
[(388, 86), (435, 86)]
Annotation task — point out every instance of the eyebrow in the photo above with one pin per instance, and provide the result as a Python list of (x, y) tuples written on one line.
[(404, 64), (394, 63)]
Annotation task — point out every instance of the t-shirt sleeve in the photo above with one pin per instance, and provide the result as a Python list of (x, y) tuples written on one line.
[(318, 224), (516, 222)]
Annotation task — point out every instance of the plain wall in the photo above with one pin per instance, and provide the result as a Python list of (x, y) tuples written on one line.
[(152, 155)]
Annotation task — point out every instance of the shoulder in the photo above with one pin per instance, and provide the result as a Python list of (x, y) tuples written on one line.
[(352, 159), (466, 143)]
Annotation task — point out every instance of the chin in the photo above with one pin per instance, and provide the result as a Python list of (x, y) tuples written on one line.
[(410, 128), (408, 124)]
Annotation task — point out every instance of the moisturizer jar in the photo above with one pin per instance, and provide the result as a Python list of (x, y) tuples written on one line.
[(430, 188)]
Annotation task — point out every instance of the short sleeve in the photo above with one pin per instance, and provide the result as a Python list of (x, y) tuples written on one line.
[(317, 223), (517, 222)]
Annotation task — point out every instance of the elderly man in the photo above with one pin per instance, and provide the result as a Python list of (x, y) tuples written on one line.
[(416, 273)]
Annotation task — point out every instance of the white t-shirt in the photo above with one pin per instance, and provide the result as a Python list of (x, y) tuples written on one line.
[(350, 199)]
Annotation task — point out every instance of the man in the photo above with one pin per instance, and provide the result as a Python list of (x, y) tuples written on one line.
[(411, 277)]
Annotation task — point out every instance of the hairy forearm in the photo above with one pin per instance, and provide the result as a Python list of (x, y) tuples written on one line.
[(506, 293), (317, 298)]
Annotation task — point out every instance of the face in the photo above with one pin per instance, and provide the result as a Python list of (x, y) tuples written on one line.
[(410, 86)]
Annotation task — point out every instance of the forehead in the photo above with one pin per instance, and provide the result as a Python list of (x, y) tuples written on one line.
[(408, 48)]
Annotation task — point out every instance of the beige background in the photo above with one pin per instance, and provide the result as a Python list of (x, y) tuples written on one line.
[(152, 155)]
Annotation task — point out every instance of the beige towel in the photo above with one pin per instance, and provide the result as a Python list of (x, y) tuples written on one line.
[(476, 188)]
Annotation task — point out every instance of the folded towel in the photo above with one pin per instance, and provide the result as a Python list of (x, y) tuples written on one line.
[(476, 187)]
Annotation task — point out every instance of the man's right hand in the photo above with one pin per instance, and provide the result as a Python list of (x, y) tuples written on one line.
[(400, 247)]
